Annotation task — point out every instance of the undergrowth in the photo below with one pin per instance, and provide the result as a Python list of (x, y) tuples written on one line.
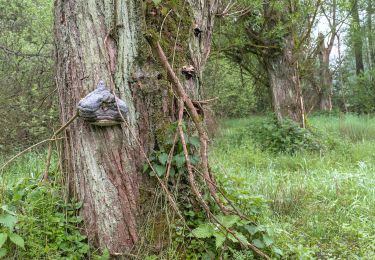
[(320, 202), (200, 237), (36, 222)]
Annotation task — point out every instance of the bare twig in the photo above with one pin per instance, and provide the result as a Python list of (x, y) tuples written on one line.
[(184, 99), (26, 150), (203, 137), (49, 155)]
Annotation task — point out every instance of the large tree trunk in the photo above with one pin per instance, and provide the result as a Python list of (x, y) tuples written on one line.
[(370, 32), (357, 38), (285, 84), (100, 40), (101, 163), (325, 91)]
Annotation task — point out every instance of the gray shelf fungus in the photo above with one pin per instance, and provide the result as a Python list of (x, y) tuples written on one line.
[(100, 107)]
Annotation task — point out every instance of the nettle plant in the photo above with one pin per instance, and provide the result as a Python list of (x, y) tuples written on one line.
[(170, 160), (220, 234), (36, 223), (285, 137), (8, 221)]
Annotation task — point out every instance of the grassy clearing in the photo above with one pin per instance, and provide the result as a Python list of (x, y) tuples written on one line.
[(320, 204)]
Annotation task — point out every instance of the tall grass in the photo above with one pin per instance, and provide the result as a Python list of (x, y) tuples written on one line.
[(355, 128), (320, 204)]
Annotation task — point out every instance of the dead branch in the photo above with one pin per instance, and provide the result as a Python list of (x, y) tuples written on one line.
[(49, 155), (24, 151), (203, 137), (185, 100)]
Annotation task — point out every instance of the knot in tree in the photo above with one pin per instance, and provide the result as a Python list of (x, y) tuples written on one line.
[(101, 107)]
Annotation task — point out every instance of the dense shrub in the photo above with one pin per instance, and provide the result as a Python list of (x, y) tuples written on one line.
[(285, 136), (360, 93)]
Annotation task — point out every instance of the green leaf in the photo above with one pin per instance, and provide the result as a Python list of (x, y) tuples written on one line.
[(194, 159), (163, 158), (5, 208), (16, 239), (156, 2), (258, 243), (251, 229), (194, 141), (172, 172), (3, 252), (277, 250), (8, 220), (160, 169), (179, 159), (203, 231), (3, 238), (267, 240), (228, 221), (240, 238), (220, 239)]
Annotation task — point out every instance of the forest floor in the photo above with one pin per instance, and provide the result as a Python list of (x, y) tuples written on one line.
[(318, 204)]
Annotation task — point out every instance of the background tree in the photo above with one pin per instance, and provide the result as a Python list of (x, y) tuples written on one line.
[(356, 35)]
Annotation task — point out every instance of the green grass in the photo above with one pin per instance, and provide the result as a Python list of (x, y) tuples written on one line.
[(320, 204)]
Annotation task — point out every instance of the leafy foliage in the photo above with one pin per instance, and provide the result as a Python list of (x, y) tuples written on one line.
[(27, 97), (286, 137), (161, 160), (35, 220)]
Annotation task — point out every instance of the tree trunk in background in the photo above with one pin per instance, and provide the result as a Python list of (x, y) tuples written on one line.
[(370, 32), (357, 38), (325, 93), (285, 84), (100, 40)]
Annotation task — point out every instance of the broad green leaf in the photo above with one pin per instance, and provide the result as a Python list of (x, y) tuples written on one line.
[(194, 159), (277, 250), (194, 141), (267, 240), (239, 238), (3, 252), (5, 208), (251, 229), (172, 172), (220, 239), (163, 158), (160, 169), (3, 238), (258, 243), (203, 231), (16, 239), (228, 221), (8, 220), (179, 159)]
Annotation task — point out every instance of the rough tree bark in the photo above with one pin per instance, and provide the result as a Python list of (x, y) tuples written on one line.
[(285, 84), (102, 40), (325, 91), (279, 55), (370, 38), (357, 38)]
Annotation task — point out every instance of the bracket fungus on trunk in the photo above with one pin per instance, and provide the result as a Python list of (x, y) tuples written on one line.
[(101, 107)]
